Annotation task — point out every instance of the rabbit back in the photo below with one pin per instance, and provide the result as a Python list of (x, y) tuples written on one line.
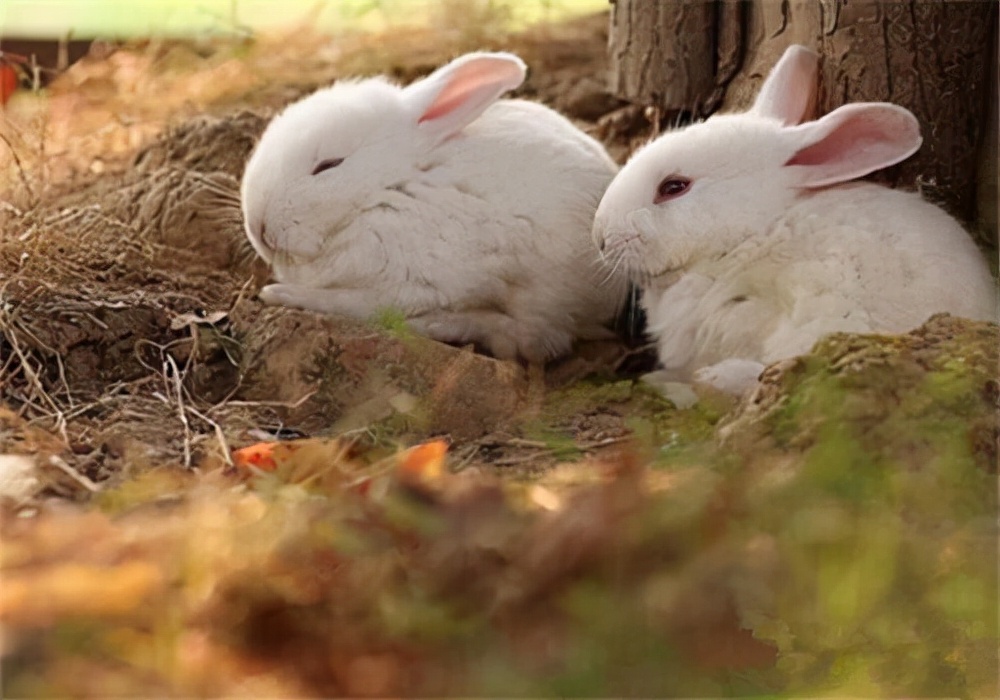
[(858, 258)]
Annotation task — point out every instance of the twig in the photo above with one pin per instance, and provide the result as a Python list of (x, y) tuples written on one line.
[(35, 382), (464, 462), (181, 412), (20, 170), (219, 435), (280, 404), (512, 461), (62, 378), (243, 293), (604, 443), (521, 442), (72, 473), (8, 207)]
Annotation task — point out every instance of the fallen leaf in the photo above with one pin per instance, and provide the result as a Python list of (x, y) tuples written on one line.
[(324, 464), (423, 462), (258, 456)]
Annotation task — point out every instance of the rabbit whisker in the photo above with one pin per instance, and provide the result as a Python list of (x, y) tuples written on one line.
[(602, 265), (613, 268), (608, 277), (609, 266)]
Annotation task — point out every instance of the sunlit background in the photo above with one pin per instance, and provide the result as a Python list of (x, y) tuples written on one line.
[(130, 18)]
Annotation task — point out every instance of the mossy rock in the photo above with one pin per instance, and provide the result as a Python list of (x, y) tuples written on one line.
[(870, 467), (907, 399), (336, 375)]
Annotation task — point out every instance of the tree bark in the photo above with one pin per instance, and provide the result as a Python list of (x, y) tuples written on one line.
[(663, 54), (937, 59)]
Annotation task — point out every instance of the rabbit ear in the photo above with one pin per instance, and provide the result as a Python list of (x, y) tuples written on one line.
[(454, 95), (789, 93), (852, 141)]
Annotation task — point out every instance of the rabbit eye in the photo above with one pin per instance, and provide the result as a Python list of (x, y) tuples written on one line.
[(672, 186), (326, 165)]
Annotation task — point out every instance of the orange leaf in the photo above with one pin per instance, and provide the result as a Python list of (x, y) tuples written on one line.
[(8, 83), (423, 462), (260, 455), (325, 463)]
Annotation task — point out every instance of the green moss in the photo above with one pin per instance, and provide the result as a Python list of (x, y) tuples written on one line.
[(558, 443), (667, 435), (398, 429), (620, 650), (814, 391), (415, 616), (587, 395), (951, 388), (393, 321), (161, 485)]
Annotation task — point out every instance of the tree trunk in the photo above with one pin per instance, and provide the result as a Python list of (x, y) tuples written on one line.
[(664, 54), (937, 59)]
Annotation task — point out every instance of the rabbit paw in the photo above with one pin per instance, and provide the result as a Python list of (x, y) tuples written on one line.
[(733, 376), (680, 394), (346, 302), (502, 336)]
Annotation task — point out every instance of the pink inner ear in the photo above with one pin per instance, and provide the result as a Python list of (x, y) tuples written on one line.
[(853, 136), (854, 140), (467, 81)]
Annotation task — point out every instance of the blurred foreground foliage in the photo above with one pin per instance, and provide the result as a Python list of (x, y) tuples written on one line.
[(840, 538)]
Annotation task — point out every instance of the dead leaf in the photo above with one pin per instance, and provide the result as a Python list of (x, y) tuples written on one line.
[(423, 462), (257, 456)]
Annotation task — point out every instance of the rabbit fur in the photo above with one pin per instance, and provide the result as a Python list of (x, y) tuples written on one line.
[(468, 214), (749, 240)]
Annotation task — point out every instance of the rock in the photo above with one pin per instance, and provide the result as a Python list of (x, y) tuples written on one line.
[(869, 468), (908, 400), (680, 394), (335, 374)]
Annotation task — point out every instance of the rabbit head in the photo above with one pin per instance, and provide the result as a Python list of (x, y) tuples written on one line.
[(339, 151), (697, 192)]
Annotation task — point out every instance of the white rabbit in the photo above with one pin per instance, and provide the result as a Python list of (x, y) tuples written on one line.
[(750, 243), (469, 215)]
